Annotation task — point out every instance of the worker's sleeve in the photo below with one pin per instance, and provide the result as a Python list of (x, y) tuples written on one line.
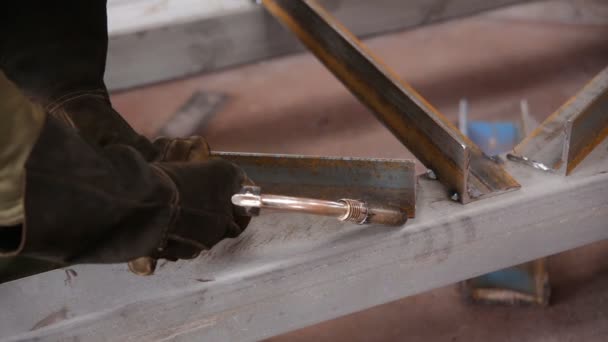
[(20, 125)]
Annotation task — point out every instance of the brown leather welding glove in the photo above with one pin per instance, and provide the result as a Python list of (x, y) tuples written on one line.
[(194, 149), (174, 152), (84, 204)]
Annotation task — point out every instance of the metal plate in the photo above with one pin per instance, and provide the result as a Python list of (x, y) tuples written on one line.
[(458, 163), (379, 182)]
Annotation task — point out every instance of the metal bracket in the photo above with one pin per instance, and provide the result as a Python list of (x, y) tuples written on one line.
[(378, 182), (458, 162), (567, 137)]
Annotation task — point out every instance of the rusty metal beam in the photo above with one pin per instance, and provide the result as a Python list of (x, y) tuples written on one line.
[(459, 163), (566, 137)]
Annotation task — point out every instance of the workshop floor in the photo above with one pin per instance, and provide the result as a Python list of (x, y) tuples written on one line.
[(293, 105)]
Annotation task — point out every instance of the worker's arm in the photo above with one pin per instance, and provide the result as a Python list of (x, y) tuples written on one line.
[(85, 203), (95, 190)]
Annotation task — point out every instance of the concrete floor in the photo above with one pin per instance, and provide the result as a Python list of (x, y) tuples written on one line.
[(293, 105)]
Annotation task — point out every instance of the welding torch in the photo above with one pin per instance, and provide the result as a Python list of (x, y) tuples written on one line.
[(347, 210)]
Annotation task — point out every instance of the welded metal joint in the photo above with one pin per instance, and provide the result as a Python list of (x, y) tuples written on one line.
[(458, 163), (529, 162), (566, 137)]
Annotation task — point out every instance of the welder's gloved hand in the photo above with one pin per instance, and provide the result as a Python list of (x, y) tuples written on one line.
[(89, 205), (195, 149), (177, 155), (96, 191), (205, 190), (83, 203)]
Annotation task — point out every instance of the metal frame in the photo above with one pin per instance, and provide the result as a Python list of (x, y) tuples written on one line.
[(286, 274), (432, 138), (281, 275)]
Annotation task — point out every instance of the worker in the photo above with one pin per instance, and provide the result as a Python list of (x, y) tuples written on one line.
[(77, 183)]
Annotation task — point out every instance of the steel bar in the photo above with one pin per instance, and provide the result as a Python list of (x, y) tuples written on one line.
[(282, 275), (458, 163), (382, 183), (567, 137)]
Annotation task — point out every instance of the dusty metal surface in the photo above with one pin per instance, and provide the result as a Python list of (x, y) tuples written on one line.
[(569, 135), (458, 163), (378, 182), (281, 275)]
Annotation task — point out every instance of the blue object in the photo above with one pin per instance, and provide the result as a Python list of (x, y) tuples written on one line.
[(494, 137), (512, 278)]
